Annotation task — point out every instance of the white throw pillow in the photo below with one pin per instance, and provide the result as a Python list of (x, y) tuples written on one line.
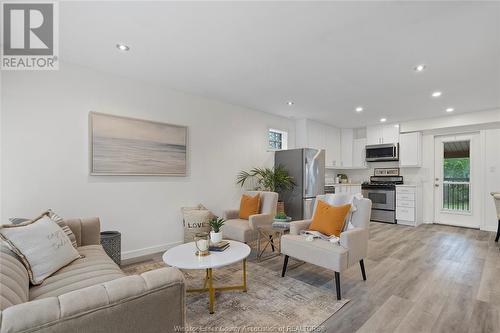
[(42, 246)]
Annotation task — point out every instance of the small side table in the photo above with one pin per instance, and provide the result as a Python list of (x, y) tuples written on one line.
[(271, 236)]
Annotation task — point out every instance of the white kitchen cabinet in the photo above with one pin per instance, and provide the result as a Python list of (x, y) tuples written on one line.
[(410, 149), (408, 205), (358, 153), (332, 154), (346, 146), (373, 135), (390, 133), (382, 134), (312, 134), (347, 188)]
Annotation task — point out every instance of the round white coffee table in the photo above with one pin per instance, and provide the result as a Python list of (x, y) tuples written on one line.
[(184, 257)]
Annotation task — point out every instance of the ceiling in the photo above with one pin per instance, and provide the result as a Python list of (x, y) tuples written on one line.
[(326, 57)]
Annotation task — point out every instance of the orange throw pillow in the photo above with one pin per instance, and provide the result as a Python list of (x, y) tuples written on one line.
[(249, 206), (329, 220)]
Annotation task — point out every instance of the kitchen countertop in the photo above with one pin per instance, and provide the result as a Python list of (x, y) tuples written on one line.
[(344, 184)]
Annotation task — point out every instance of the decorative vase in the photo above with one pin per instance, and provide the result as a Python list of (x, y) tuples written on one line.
[(215, 237), (202, 241), (280, 208)]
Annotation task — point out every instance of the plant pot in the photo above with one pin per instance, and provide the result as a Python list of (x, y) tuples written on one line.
[(280, 208), (215, 237)]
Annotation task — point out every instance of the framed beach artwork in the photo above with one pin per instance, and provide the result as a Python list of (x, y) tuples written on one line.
[(128, 146)]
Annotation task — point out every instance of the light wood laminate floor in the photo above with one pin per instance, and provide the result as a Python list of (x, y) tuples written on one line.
[(427, 279)]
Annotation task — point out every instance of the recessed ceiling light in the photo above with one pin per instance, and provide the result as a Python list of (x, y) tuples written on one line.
[(383, 120), (436, 94), (419, 68), (450, 109), (290, 103), (359, 109), (122, 47)]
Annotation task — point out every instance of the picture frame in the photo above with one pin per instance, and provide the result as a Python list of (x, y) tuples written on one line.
[(125, 146)]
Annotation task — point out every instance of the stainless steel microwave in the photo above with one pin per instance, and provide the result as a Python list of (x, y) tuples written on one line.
[(382, 152)]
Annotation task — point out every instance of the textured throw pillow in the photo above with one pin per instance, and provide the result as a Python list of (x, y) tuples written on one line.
[(329, 220), (249, 206), (42, 246), (54, 217), (195, 220)]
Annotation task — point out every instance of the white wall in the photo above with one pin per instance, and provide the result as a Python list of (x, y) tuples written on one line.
[(45, 158), (491, 176)]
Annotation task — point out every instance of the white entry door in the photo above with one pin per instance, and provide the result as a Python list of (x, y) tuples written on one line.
[(456, 183)]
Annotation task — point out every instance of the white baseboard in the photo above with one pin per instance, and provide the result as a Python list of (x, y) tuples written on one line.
[(489, 228), (127, 255)]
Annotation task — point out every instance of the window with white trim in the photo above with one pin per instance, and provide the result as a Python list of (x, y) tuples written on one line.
[(277, 139)]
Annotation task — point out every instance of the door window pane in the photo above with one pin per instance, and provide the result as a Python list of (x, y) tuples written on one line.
[(456, 176)]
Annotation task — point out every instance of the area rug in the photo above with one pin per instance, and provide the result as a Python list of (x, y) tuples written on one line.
[(271, 304)]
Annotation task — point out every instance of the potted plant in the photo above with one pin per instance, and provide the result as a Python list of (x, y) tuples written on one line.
[(216, 223), (274, 179), (281, 217)]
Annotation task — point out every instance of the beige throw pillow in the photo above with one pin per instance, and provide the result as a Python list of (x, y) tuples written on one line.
[(42, 246), (195, 220), (54, 217)]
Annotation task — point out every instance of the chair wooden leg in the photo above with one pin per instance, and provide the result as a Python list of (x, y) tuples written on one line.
[(272, 242), (285, 263), (362, 265), (498, 232), (337, 285)]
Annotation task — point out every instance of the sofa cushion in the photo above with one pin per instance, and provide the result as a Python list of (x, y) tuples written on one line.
[(95, 267), (319, 252), (238, 229), (14, 280), (42, 246)]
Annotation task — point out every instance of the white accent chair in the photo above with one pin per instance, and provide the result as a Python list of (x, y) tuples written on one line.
[(496, 197), (351, 249), (246, 230)]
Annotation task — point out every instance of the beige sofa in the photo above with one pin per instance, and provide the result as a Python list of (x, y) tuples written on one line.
[(91, 294)]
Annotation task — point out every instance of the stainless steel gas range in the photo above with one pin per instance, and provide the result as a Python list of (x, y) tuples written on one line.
[(381, 190)]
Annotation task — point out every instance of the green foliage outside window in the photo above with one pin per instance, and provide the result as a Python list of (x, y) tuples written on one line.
[(457, 169)]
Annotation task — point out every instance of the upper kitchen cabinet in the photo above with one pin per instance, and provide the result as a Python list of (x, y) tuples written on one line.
[(358, 153), (382, 134), (332, 155), (410, 149), (346, 146), (312, 134)]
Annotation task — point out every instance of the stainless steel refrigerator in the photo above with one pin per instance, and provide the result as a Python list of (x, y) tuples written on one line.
[(307, 167)]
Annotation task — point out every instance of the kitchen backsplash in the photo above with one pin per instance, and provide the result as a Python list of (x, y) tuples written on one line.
[(410, 175)]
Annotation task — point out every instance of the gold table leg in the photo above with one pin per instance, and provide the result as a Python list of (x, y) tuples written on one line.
[(245, 275), (206, 279), (211, 292), (211, 289)]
